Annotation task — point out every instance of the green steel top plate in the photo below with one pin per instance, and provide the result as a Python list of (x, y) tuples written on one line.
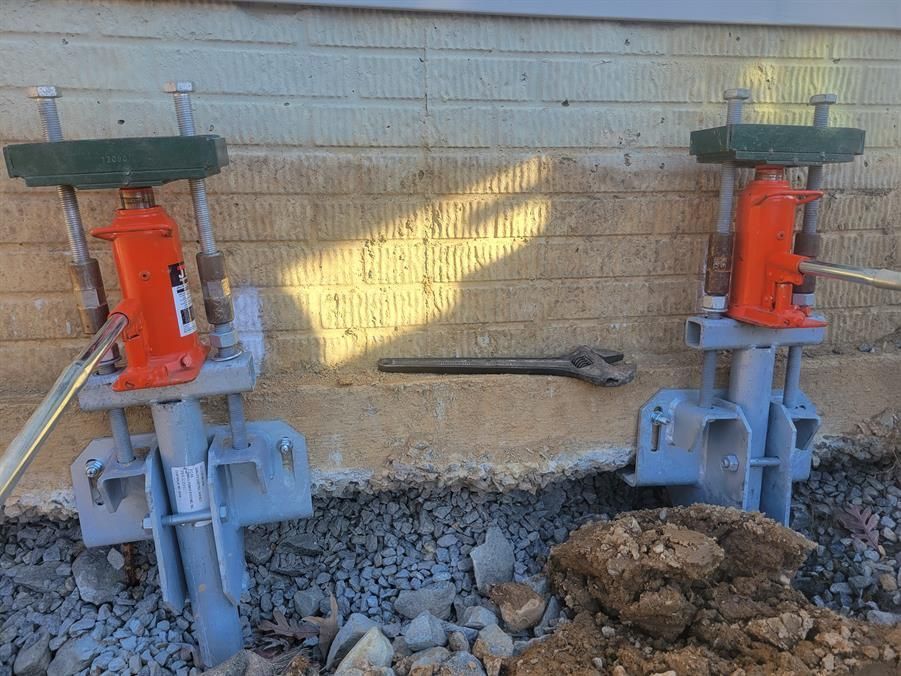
[(116, 163), (753, 144)]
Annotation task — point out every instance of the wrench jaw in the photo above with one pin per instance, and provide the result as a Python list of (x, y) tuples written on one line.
[(605, 369), (607, 375)]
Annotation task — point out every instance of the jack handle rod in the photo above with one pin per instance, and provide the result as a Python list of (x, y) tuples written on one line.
[(881, 278), (22, 449)]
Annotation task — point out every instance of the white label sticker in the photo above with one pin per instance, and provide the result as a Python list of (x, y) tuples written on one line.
[(189, 483), (181, 295)]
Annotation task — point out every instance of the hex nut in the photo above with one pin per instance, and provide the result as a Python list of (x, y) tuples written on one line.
[(738, 93), (828, 99), (713, 303), (178, 87), (43, 92), (223, 340)]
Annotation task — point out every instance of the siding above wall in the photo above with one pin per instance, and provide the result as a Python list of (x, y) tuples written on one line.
[(866, 13)]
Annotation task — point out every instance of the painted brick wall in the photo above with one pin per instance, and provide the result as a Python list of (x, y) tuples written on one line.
[(406, 184), (429, 184)]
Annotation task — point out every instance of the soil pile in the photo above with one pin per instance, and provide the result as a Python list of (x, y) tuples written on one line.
[(696, 590)]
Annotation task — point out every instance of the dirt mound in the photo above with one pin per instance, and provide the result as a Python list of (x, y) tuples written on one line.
[(696, 590)]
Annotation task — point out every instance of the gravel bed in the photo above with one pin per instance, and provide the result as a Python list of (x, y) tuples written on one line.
[(366, 548), (388, 555), (852, 575)]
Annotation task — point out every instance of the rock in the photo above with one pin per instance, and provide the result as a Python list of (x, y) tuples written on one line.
[(306, 602), (435, 598), (373, 650), (40, 578), (73, 655), (115, 558), (521, 606), (257, 548), (457, 642), (33, 659), (478, 617), (425, 631), (783, 631), (97, 581), (401, 649), (302, 544), (888, 582), (551, 613), (493, 560), (468, 633), (461, 664), (492, 646), (426, 663), (353, 630), (539, 583), (244, 663), (883, 617)]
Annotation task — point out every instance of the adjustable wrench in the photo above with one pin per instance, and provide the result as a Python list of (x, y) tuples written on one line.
[(598, 367)]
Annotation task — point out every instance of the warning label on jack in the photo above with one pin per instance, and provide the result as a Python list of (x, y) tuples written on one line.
[(181, 294), (189, 484)]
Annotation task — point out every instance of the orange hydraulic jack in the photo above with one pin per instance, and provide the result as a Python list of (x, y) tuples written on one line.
[(765, 269), (161, 342)]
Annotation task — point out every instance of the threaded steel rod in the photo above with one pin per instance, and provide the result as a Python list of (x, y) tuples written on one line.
[(815, 173), (22, 449), (125, 452), (185, 117), (52, 130), (728, 171)]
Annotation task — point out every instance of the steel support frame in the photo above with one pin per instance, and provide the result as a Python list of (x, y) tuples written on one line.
[(744, 449), (192, 493)]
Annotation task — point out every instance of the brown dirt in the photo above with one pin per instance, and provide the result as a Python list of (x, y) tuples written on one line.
[(696, 590)]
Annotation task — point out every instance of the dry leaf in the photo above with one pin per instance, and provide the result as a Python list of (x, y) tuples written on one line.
[(328, 626), (863, 524), (283, 632)]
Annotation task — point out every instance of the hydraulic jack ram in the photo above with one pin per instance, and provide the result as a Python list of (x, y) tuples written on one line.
[(190, 487)]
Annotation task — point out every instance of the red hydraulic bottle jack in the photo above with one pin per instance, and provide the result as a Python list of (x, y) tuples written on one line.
[(161, 342), (765, 269)]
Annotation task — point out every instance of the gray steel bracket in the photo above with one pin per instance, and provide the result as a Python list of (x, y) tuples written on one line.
[(723, 333), (267, 481), (708, 453), (128, 503), (215, 378), (703, 454)]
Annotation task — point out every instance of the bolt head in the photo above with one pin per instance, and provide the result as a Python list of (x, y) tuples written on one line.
[(178, 87), (737, 94), (660, 418), (43, 92), (285, 445), (828, 99), (730, 463), (93, 468)]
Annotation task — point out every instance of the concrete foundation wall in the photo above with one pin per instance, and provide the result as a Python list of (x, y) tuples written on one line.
[(406, 184)]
